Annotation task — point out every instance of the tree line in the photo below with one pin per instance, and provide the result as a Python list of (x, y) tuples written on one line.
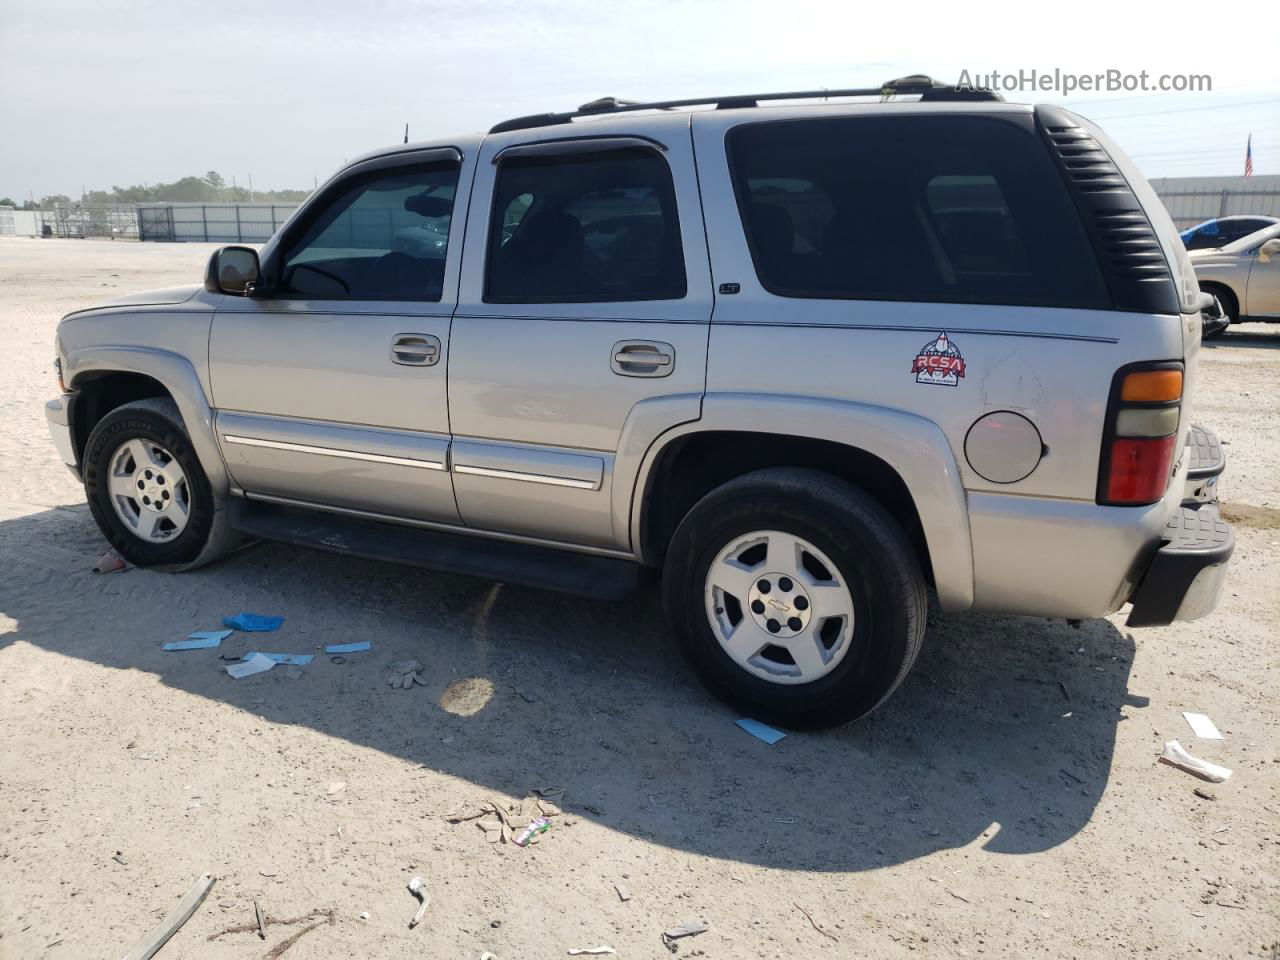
[(211, 188)]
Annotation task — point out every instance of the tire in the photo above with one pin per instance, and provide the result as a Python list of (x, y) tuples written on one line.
[(205, 534), (830, 521)]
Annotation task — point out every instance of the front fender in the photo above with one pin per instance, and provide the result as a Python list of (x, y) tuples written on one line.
[(177, 375), (912, 445)]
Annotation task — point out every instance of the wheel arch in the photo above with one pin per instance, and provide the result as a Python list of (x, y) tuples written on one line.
[(104, 378), (1221, 287), (903, 460)]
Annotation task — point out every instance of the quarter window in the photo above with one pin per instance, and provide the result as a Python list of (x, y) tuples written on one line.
[(585, 228), (937, 208), (383, 237)]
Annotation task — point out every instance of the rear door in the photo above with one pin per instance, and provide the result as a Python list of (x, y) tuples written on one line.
[(583, 311), (331, 390)]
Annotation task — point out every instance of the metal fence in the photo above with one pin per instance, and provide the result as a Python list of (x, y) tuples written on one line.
[(1191, 200), (212, 222)]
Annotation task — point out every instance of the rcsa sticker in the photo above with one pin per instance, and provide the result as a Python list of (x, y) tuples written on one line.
[(939, 362)]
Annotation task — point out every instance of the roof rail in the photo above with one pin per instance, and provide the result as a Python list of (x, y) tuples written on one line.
[(925, 87)]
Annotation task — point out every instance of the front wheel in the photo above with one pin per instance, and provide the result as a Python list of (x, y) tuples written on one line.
[(796, 597), (147, 490)]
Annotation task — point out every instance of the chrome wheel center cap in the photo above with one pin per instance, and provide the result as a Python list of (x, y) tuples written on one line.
[(779, 605)]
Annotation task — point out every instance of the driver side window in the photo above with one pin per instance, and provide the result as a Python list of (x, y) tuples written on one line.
[(383, 236)]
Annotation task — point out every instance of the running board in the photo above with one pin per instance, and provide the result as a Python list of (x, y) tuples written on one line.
[(523, 564)]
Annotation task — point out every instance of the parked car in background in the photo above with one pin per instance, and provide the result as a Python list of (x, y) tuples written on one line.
[(1220, 231), (810, 360), (1243, 277)]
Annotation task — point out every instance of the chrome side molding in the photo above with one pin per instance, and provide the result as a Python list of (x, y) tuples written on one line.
[(334, 452)]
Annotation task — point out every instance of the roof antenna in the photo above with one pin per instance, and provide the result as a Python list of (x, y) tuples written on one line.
[(406, 133)]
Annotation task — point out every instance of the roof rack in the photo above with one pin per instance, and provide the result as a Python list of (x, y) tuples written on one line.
[(927, 88)]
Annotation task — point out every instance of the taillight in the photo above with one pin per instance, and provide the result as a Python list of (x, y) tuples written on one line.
[(1141, 434)]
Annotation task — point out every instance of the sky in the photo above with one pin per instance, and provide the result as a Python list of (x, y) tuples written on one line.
[(98, 93)]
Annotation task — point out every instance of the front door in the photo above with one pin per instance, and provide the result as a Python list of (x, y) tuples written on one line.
[(331, 388), (581, 325)]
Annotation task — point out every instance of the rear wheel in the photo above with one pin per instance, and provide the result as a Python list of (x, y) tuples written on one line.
[(147, 490), (796, 597)]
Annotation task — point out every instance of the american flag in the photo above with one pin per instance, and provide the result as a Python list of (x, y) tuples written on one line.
[(1248, 157)]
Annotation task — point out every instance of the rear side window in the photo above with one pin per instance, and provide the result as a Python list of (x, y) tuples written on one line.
[(928, 208), (585, 228)]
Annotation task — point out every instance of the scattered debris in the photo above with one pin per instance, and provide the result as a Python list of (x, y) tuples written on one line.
[(1070, 775), (296, 659), (403, 674), (364, 915), (623, 893), (760, 730), (416, 888), (1202, 726), (249, 666), (253, 622), (522, 694), (284, 945), (814, 924), (500, 821), (1175, 755), (337, 786), (158, 937), (590, 951), (118, 857), (349, 647), (261, 919), (110, 562), (684, 930), (784, 819), (535, 826), (1204, 794), (200, 640), (959, 896)]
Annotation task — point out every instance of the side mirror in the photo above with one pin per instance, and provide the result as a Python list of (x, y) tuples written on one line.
[(232, 270), (1269, 249)]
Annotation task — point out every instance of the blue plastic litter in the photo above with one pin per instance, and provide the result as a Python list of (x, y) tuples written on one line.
[(252, 622), (761, 731), (349, 647), (200, 640), (296, 659)]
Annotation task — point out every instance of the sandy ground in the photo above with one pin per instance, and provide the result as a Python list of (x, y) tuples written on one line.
[(983, 811)]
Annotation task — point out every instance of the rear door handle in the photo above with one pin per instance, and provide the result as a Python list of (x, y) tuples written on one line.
[(642, 358), (415, 349)]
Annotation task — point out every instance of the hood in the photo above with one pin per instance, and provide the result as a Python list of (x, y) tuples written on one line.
[(148, 298)]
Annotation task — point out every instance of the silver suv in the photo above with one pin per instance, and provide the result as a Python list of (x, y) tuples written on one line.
[(810, 354)]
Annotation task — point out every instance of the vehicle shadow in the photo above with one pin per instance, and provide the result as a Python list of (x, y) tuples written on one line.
[(1264, 335), (1002, 735)]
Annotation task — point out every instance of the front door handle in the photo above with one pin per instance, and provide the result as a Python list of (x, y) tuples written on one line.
[(642, 358), (415, 349)]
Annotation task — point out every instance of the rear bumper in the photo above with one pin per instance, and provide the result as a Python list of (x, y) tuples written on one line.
[(1187, 571), (58, 413)]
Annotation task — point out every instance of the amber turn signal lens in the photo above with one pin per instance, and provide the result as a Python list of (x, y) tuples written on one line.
[(1152, 386)]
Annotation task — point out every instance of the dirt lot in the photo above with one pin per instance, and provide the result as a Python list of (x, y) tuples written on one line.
[(983, 811)]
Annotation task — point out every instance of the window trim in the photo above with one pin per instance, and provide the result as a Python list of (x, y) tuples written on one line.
[(578, 147), (1025, 124), (375, 168)]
